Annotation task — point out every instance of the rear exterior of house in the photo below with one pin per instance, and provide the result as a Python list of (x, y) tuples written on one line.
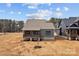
[(36, 29), (70, 28)]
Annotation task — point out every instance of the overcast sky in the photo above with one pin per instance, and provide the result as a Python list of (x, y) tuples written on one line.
[(20, 11)]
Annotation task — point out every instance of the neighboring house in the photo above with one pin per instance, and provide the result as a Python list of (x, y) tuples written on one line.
[(38, 29), (70, 28)]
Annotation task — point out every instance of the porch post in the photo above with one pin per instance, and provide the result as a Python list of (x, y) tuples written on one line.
[(38, 39), (31, 36), (70, 34), (76, 35)]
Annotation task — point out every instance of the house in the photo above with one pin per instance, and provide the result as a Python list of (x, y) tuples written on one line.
[(70, 28), (38, 29)]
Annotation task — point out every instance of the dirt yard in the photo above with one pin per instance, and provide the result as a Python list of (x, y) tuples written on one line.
[(11, 44)]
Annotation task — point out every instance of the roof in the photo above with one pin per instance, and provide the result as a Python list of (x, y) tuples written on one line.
[(37, 25), (70, 21), (72, 28)]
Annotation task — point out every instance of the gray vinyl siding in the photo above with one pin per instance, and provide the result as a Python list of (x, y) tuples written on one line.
[(45, 36)]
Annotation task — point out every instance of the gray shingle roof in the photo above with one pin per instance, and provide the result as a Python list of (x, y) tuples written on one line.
[(37, 25), (71, 20)]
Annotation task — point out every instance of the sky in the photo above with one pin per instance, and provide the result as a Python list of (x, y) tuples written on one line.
[(24, 11)]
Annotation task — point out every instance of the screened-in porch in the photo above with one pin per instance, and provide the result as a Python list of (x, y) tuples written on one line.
[(31, 35)]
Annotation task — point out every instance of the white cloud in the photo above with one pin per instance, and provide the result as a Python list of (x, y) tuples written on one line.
[(11, 12), (66, 8), (58, 14), (8, 4), (45, 12), (31, 5), (49, 4), (58, 9), (40, 14), (19, 12)]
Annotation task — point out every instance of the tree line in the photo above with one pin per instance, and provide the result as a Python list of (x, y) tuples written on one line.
[(8, 25)]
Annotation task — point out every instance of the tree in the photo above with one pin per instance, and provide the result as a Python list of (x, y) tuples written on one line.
[(56, 21), (20, 25), (8, 25)]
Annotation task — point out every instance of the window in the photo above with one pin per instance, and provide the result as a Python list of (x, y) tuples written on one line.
[(27, 32), (35, 32), (48, 33)]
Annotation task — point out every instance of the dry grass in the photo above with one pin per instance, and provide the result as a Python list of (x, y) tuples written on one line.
[(12, 44)]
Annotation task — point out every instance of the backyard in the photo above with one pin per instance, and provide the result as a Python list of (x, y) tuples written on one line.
[(12, 44)]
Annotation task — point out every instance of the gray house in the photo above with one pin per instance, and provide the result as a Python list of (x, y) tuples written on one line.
[(38, 29), (70, 28)]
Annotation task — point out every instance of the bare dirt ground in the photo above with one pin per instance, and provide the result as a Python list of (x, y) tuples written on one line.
[(11, 44)]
